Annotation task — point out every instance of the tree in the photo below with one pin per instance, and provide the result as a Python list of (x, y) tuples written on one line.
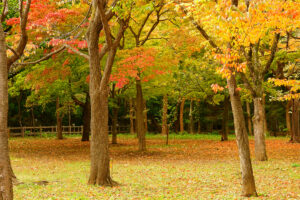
[(102, 13), (248, 184), (5, 65)]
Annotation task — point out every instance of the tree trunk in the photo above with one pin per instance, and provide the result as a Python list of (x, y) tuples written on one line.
[(295, 121), (288, 118), (86, 119), (258, 126), (140, 116), (191, 125), (32, 117), (199, 127), (264, 115), (145, 116), (249, 118), (131, 116), (181, 115), (248, 183), (165, 116), (19, 99), (115, 111), (6, 191), (225, 129), (58, 121)]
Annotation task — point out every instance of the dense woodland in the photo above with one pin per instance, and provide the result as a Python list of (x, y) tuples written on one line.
[(154, 67)]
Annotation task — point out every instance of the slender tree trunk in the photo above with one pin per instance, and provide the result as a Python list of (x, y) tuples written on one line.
[(225, 130), (140, 116), (288, 118), (249, 118), (191, 125), (115, 111), (181, 115), (86, 119), (264, 115), (58, 121), (19, 99), (199, 127), (165, 116), (145, 116), (6, 191), (258, 125), (295, 121), (131, 116), (248, 183), (199, 122), (32, 116)]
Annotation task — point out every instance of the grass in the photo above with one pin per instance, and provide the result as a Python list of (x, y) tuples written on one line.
[(191, 167)]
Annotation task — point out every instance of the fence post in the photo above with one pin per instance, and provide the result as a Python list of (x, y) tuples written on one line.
[(40, 131), (8, 132)]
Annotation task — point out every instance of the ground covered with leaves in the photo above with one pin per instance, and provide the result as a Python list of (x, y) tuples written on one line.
[(191, 167)]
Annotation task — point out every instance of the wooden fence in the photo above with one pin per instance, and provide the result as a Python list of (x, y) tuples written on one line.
[(41, 130)]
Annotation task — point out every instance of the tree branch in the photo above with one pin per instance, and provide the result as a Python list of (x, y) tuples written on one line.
[(77, 52), (273, 51)]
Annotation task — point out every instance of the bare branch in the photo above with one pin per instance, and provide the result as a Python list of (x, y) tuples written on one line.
[(46, 57), (273, 51), (105, 24), (76, 51)]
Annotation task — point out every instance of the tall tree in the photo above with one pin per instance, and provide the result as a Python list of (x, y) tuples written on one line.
[(99, 90), (6, 173)]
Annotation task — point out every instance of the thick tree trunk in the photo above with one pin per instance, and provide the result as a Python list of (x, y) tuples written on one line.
[(225, 129), (86, 119), (140, 116), (115, 111), (145, 116), (131, 116), (191, 125), (181, 115), (58, 121), (249, 118), (165, 116), (6, 192), (248, 183), (295, 121), (258, 126), (288, 117)]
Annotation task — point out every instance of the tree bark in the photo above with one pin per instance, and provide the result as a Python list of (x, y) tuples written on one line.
[(288, 117), (249, 118), (225, 129), (191, 125), (131, 116), (58, 121), (248, 183), (258, 126), (181, 115), (6, 192), (86, 119), (140, 116), (145, 116), (165, 116), (295, 121)]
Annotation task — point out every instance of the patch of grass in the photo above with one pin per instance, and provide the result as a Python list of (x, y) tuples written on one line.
[(191, 167)]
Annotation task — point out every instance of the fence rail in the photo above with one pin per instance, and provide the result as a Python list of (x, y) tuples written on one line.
[(41, 130)]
